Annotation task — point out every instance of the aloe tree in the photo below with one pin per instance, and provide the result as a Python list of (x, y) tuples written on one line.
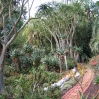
[(94, 43), (9, 9)]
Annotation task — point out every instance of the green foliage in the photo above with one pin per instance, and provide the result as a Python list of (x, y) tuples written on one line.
[(9, 70), (60, 52), (27, 48), (97, 80), (38, 54), (31, 86), (94, 42), (16, 53), (68, 84), (77, 49), (51, 62), (26, 61), (28, 56), (71, 63), (20, 40)]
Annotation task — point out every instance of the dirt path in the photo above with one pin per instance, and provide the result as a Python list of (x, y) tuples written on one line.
[(82, 86)]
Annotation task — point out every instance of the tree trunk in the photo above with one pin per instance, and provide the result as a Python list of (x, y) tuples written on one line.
[(16, 63), (2, 59), (2, 86), (61, 62), (66, 62), (46, 67), (63, 44), (76, 56), (71, 51)]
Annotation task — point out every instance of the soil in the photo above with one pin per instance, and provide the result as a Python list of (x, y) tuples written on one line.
[(93, 89), (77, 78)]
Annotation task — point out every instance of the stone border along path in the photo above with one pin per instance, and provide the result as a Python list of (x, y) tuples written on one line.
[(84, 83)]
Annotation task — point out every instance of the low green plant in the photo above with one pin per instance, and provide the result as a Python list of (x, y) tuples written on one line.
[(82, 96), (28, 48), (26, 62), (31, 85), (97, 80), (51, 62), (71, 63), (37, 55), (16, 53), (68, 84)]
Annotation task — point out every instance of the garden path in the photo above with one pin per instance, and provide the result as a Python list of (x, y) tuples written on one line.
[(82, 86)]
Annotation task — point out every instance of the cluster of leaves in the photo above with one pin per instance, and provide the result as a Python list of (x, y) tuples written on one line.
[(31, 86), (71, 63), (15, 53), (28, 55), (68, 84), (51, 62), (97, 80)]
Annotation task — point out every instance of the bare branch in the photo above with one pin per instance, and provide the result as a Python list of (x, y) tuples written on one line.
[(4, 29), (31, 5), (28, 10), (25, 24), (21, 10), (17, 32), (2, 9), (10, 14)]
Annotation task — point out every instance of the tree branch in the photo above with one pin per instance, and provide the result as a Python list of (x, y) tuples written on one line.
[(17, 32), (4, 29), (2, 9), (21, 10), (10, 14)]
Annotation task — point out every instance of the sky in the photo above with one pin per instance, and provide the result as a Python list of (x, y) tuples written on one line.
[(39, 2)]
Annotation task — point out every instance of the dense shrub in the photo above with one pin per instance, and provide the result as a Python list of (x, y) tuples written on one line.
[(27, 57), (71, 63), (37, 55), (16, 53), (51, 62), (31, 86), (27, 48)]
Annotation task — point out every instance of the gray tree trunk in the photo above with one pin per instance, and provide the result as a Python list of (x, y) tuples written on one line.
[(66, 61), (71, 51), (2, 59), (2, 86)]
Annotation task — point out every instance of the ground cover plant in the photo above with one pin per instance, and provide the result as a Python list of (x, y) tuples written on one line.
[(31, 85)]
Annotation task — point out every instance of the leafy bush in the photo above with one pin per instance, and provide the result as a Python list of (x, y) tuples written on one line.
[(38, 54), (26, 61), (9, 70), (31, 86), (51, 62), (27, 48), (97, 80), (71, 63), (68, 84), (16, 53)]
